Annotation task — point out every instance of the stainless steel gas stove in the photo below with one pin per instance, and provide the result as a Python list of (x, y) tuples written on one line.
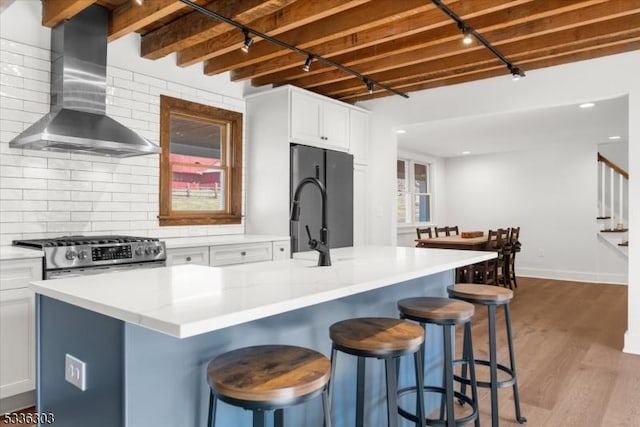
[(70, 256)]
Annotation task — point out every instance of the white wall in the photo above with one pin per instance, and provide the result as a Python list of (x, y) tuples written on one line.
[(551, 195), (51, 194), (599, 78)]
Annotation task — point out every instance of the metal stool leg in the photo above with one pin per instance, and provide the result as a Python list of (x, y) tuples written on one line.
[(334, 355), (360, 393), (512, 360), (463, 373), (392, 390), (213, 401), (326, 408), (258, 418), (278, 418), (448, 374), (493, 365), (419, 367), (468, 355)]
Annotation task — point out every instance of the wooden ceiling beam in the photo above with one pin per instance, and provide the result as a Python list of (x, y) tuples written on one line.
[(196, 27), (56, 11), (292, 16), (498, 37), (339, 25), (130, 16), (509, 15), (552, 59)]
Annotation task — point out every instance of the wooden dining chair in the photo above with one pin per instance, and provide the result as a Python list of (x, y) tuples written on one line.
[(441, 231), (424, 233), (453, 231), (490, 272), (514, 242)]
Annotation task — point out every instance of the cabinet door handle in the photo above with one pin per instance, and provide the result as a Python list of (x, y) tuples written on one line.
[(188, 259), (243, 253)]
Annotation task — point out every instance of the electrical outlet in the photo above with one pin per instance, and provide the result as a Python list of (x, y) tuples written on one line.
[(75, 372), (541, 253)]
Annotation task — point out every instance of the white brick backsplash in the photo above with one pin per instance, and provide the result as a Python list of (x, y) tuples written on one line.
[(70, 206), (10, 216), (91, 176), (69, 185), (37, 64), (36, 107), (10, 171), (69, 164), (46, 195), (23, 183), (24, 205), (11, 104), (68, 227), (46, 173), (111, 206), (10, 194), (91, 216), (46, 216)]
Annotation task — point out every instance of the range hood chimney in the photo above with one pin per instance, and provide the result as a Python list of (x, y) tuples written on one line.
[(77, 121)]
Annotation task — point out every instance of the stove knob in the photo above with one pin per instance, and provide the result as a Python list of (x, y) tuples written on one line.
[(157, 250), (148, 250), (83, 254), (71, 255), (139, 251)]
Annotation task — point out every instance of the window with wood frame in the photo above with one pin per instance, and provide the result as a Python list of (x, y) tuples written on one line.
[(200, 164)]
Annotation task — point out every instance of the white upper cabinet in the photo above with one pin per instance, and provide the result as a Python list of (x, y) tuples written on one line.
[(359, 136), (319, 122)]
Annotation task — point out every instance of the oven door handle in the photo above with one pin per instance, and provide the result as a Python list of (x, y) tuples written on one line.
[(79, 272)]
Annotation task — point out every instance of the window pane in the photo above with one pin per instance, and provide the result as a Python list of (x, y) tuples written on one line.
[(402, 176), (196, 165), (422, 212), (402, 207), (420, 177)]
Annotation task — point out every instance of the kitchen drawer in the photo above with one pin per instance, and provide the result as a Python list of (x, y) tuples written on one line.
[(179, 256), (240, 254), (281, 249), (15, 274)]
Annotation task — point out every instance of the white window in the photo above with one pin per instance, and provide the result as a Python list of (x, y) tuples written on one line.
[(414, 192)]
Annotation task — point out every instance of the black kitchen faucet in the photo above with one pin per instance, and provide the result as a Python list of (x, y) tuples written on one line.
[(322, 246)]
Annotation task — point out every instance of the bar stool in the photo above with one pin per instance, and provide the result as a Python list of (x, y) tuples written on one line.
[(446, 313), (492, 297), (380, 338), (268, 377)]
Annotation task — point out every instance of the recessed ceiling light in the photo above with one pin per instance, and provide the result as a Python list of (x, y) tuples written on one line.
[(587, 105), (614, 137), (466, 152), (401, 131)]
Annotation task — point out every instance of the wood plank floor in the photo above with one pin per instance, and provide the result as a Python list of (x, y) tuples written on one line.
[(572, 372), (568, 340)]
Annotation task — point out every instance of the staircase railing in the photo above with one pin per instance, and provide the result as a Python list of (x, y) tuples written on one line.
[(607, 193)]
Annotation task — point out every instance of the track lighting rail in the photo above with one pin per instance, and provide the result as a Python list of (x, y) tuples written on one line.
[(369, 83)]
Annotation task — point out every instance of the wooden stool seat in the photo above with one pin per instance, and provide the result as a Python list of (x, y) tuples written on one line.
[(481, 294), (436, 310), (269, 373), (377, 335)]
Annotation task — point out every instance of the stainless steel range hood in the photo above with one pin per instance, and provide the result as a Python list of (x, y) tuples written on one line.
[(77, 121)]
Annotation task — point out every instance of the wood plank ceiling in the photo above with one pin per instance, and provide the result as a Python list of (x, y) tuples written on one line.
[(409, 45)]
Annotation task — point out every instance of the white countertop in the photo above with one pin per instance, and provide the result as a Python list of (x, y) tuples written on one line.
[(188, 300), (229, 239), (14, 252)]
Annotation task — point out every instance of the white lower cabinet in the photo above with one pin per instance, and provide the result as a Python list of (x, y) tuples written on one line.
[(281, 249), (240, 254), (198, 255), (17, 326)]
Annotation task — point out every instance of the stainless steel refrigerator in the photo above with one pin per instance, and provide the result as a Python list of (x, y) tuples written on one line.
[(335, 170)]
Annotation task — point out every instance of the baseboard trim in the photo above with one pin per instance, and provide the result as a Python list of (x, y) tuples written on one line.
[(575, 276), (17, 402), (631, 343)]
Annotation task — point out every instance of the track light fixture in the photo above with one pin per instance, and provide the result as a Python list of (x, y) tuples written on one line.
[(370, 85), (248, 41), (468, 31), (307, 63), (139, 2)]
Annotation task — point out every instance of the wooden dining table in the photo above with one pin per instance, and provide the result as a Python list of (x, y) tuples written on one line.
[(453, 242)]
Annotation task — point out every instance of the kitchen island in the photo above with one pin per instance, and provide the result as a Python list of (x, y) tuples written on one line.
[(147, 335)]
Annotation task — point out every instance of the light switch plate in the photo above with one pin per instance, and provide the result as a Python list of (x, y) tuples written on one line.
[(75, 372)]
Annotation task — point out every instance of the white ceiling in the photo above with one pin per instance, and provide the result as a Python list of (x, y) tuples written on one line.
[(519, 130)]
